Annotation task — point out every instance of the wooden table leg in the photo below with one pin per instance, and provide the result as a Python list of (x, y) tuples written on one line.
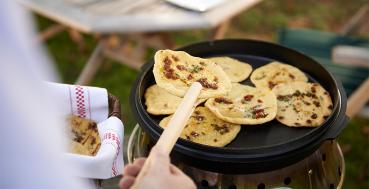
[(219, 31), (77, 38), (51, 32), (358, 99), (92, 65)]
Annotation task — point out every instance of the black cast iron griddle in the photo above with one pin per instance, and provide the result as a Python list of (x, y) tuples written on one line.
[(257, 148)]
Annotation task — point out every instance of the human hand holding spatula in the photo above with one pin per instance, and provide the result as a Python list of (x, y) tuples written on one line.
[(171, 134)]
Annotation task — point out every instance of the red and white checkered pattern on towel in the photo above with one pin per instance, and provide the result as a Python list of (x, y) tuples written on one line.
[(80, 101)]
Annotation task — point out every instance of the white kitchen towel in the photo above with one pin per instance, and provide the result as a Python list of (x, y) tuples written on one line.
[(85, 102), (92, 103), (108, 161)]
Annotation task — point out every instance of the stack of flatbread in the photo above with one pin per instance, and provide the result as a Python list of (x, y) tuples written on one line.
[(281, 91), (85, 138)]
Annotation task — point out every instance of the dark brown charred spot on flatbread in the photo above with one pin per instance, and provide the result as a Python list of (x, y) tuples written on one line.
[(314, 116), (330, 107), (280, 117), (167, 61), (221, 129), (194, 134), (297, 93), (260, 101), (203, 133), (175, 58), (94, 152), (215, 140), (326, 116), (189, 77), (93, 141), (284, 98), (306, 103), (291, 76), (316, 103), (77, 137), (199, 117), (188, 137), (248, 97), (215, 79), (309, 94), (258, 113), (271, 84), (313, 89), (326, 93), (204, 82), (222, 100), (202, 63), (308, 121), (92, 126), (168, 71), (181, 67), (298, 124)]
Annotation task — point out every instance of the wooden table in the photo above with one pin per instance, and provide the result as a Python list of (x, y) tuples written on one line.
[(145, 21)]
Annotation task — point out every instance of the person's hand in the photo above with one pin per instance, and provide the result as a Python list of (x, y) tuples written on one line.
[(160, 175)]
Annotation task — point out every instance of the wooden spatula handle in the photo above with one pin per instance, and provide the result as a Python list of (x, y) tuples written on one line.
[(174, 128)]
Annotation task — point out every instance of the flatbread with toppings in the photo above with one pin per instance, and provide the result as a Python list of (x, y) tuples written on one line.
[(237, 71), (175, 71), (302, 104), (244, 105), (205, 128), (275, 73), (84, 135), (160, 102)]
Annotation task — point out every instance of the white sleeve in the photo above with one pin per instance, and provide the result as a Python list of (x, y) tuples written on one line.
[(31, 136)]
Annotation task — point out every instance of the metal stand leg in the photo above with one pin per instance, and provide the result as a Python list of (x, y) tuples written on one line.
[(92, 65)]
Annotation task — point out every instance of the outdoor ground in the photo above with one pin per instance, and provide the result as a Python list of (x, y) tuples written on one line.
[(261, 22)]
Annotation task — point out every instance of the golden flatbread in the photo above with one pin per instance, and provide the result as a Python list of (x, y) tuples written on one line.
[(275, 73), (85, 136), (78, 148), (236, 70), (175, 71), (302, 104), (205, 128), (160, 102), (244, 105)]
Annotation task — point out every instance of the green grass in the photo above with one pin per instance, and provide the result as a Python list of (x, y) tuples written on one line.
[(260, 22)]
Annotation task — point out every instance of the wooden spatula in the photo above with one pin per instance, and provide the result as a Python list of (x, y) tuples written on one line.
[(174, 128)]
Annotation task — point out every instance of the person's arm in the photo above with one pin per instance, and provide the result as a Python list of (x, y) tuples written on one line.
[(161, 174)]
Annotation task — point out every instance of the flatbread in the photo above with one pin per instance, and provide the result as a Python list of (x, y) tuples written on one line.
[(78, 148), (302, 104), (237, 71), (175, 71), (275, 73), (245, 105), (85, 139), (205, 128), (160, 102)]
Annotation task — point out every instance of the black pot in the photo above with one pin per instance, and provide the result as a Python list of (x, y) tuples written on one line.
[(258, 148)]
